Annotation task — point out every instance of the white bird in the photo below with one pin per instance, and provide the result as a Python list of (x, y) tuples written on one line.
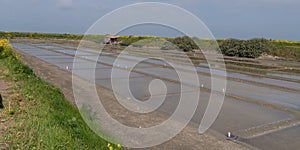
[(202, 85), (67, 67), (229, 134), (223, 90)]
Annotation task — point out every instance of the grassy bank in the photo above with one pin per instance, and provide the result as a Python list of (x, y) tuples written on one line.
[(289, 50), (41, 117)]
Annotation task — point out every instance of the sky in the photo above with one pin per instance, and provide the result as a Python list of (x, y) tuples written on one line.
[(244, 19)]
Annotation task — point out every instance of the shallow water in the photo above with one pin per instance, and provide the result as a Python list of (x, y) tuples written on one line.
[(252, 91), (235, 115)]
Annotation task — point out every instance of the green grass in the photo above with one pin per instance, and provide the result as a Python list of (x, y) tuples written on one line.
[(44, 119), (286, 50)]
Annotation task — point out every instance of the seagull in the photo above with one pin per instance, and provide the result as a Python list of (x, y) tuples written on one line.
[(202, 85), (67, 67)]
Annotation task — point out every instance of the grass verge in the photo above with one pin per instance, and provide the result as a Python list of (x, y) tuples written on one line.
[(41, 117)]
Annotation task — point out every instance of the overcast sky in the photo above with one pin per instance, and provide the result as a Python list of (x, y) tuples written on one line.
[(275, 19)]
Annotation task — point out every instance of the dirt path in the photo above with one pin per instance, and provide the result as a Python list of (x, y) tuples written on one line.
[(189, 138)]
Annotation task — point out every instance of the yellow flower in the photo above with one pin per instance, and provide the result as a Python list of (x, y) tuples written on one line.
[(17, 56), (110, 148), (6, 48), (119, 146), (163, 39), (108, 145)]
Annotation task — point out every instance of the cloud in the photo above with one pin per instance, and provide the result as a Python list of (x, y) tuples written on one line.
[(65, 4)]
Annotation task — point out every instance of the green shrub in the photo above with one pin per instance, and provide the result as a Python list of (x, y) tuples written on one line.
[(185, 43), (252, 48), (5, 49)]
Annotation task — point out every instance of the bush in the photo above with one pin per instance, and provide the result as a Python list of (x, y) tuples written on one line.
[(5, 49), (185, 43), (252, 48)]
